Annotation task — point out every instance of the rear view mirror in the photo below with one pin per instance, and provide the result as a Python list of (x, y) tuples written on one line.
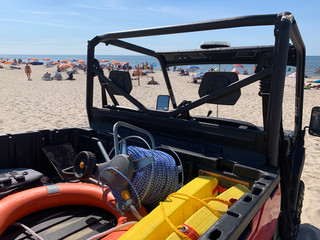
[(314, 126), (163, 102)]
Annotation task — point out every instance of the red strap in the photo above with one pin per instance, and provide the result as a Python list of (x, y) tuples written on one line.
[(215, 189), (232, 200), (189, 232), (221, 189)]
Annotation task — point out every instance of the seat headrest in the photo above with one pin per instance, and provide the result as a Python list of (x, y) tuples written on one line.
[(213, 81), (122, 79)]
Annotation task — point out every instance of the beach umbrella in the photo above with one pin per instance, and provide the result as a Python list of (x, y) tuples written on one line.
[(55, 63), (64, 61), (64, 66), (103, 61), (198, 75), (7, 62), (292, 75), (81, 61), (238, 65), (192, 68), (72, 63), (115, 62), (46, 59)]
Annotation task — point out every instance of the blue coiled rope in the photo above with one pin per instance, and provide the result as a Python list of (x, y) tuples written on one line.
[(154, 182)]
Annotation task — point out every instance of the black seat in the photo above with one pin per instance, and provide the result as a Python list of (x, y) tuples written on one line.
[(122, 79), (213, 81)]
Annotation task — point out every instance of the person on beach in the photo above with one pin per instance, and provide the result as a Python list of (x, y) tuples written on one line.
[(152, 82), (139, 72), (28, 71)]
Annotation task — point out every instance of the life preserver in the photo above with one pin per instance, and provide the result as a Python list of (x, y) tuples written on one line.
[(20, 204)]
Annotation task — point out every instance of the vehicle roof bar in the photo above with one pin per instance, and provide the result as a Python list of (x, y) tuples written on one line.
[(244, 21)]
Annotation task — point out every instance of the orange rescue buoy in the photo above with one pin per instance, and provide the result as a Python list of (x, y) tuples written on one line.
[(20, 204)]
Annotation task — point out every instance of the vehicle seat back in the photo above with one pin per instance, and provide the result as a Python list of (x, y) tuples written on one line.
[(122, 79), (213, 81)]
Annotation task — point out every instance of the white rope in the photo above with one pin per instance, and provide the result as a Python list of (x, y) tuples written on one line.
[(29, 230), (100, 235)]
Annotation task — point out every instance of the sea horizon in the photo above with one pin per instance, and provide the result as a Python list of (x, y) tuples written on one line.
[(312, 62)]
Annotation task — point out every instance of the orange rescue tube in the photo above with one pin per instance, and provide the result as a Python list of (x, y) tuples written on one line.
[(20, 204)]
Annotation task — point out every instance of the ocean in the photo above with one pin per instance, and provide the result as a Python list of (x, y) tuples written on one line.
[(312, 62)]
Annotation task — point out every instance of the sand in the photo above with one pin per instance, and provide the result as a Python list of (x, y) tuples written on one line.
[(37, 104)]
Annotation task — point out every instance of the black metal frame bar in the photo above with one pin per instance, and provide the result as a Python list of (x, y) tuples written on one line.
[(285, 29)]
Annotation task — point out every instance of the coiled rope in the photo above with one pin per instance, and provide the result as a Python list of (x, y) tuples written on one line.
[(154, 182)]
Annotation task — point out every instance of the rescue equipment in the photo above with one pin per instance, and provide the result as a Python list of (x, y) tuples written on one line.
[(20, 204)]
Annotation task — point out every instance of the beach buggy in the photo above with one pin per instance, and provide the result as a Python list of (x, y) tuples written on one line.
[(158, 171)]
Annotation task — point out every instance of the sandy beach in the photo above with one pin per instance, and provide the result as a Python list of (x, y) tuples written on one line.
[(38, 104)]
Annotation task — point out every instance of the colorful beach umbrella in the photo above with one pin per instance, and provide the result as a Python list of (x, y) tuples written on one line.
[(238, 65), (46, 59), (292, 75), (115, 62), (64, 66), (192, 68), (199, 75), (7, 62)]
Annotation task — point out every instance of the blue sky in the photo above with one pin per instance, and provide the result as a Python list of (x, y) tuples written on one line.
[(65, 26)]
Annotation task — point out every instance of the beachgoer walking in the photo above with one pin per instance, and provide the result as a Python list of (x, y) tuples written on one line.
[(139, 72), (28, 71)]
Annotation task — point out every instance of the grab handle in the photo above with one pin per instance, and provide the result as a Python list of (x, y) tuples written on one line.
[(127, 125)]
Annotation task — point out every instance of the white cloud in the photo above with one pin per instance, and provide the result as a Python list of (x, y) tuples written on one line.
[(42, 13), (44, 23)]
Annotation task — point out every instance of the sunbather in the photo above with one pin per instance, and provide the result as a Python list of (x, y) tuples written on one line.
[(58, 76), (46, 76)]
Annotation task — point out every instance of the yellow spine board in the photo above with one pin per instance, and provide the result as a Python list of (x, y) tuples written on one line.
[(178, 210), (204, 218)]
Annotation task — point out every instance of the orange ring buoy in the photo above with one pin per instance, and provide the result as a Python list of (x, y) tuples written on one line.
[(20, 204)]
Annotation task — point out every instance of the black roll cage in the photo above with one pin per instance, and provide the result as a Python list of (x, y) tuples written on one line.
[(283, 54)]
